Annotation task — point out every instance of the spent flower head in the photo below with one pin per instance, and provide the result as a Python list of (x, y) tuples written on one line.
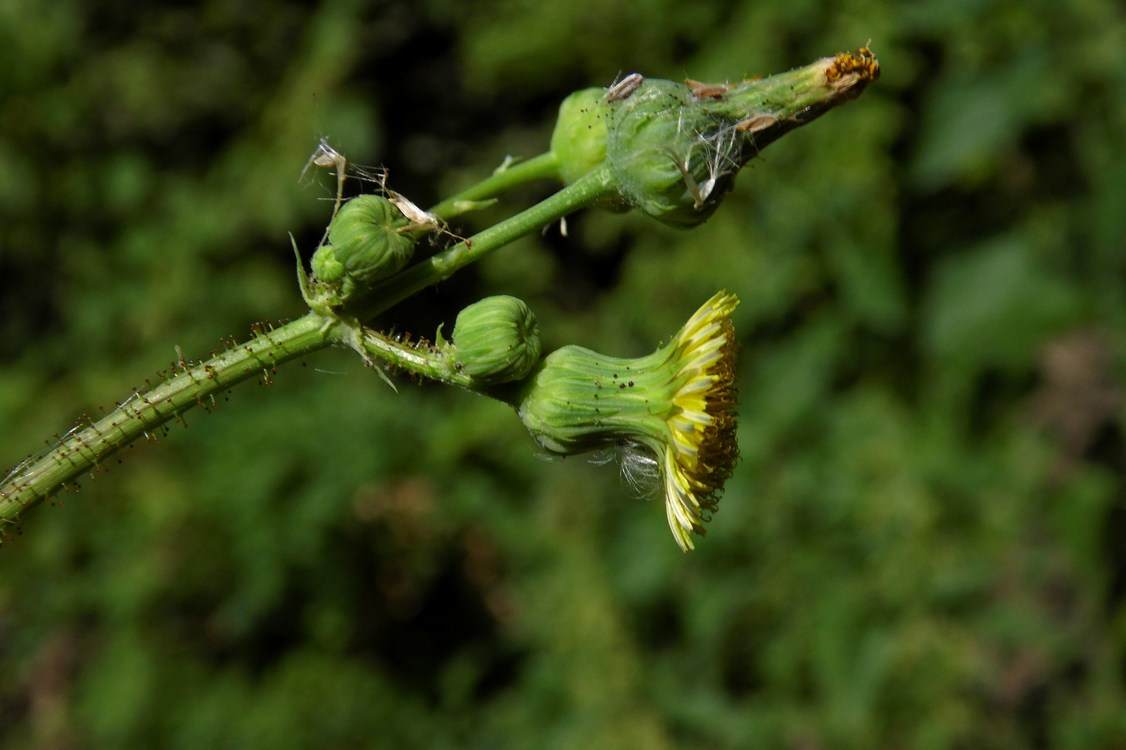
[(677, 405), (674, 148)]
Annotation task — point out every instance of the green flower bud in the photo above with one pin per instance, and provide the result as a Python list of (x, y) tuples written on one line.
[(365, 244), (674, 148), (496, 340), (579, 140), (325, 265), (677, 406)]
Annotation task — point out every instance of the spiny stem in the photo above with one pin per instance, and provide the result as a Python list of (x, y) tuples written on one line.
[(83, 450), (423, 361)]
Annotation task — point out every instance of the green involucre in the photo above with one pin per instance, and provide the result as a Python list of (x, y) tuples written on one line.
[(579, 139), (674, 149), (497, 340), (672, 157), (579, 400), (365, 243)]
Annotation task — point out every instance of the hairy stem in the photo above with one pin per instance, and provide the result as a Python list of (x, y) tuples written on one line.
[(83, 449), (422, 361)]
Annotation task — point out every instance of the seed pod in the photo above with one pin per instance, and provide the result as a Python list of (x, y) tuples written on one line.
[(364, 245), (496, 340)]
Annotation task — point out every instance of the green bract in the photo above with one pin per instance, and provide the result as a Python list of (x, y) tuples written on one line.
[(579, 139), (496, 340), (671, 158), (365, 243)]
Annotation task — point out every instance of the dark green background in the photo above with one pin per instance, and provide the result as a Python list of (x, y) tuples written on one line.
[(924, 545)]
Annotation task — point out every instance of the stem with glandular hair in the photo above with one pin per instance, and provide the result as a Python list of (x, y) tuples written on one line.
[(84, 449)]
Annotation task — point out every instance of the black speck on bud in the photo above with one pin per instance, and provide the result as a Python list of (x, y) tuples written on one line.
[(579, 140)]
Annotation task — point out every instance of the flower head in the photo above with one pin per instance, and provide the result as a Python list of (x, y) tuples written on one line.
[(703, 450), (677, 404), (673, 149)]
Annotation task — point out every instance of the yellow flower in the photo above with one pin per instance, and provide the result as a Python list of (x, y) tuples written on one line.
[(699, 458), (677, 404)]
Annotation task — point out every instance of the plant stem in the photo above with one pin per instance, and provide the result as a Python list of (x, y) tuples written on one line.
[(583, 192), (83, 449), (423, 360), (542, 167)]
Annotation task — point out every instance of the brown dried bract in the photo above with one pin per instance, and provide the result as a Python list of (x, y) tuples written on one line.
[(707, 90), (755, 123)]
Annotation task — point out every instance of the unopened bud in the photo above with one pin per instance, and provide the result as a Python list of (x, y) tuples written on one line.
[(579, 140), (365, 243), (496, 340)]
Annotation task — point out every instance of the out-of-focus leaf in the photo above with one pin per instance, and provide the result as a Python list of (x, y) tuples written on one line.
[(995, 305)]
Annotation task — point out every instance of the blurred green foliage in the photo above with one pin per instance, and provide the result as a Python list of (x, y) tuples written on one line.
[(924, 545)]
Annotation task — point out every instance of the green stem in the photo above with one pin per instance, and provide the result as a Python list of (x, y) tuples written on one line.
[(422, 360), (542, 167), (583, 192), (83, 449)]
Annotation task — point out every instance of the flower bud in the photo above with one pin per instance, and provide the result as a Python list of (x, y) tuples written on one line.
[(496, 340), (365, 244), (579, 140)]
